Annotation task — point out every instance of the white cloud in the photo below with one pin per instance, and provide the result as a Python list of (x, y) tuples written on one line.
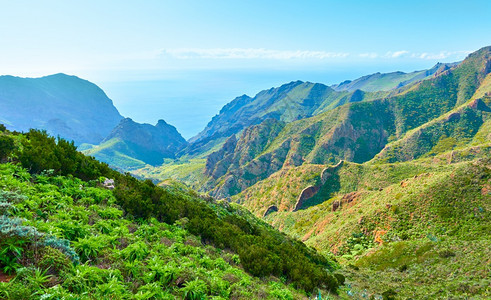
[(248, 53), (440, 55), (396, 54), (244, 54), (369, 55)]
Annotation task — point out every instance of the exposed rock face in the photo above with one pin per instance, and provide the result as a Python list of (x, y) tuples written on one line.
[(355, 132), (347, 198), (453, 117), (311, 191), (335, 205), (479, 105), (217, 162), (237, 179), (329, 171), (68, 106), (108, 184), (306, 194), (270, 209)]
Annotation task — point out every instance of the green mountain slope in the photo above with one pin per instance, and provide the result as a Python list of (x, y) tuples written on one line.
[(413, 236), (297, 100), (359, 131), (131, 145), (63, 105), (411, 222)]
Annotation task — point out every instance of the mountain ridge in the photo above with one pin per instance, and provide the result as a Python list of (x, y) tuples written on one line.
[(138, 144), (389, 81), (61, 104)]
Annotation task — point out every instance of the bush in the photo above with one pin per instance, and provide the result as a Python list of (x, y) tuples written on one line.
[(195, 290), (6, 146), (54, 261), (446, 253), (390, 294), (340, 278)]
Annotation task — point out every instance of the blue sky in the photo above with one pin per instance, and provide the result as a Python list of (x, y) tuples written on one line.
[(251, 45)]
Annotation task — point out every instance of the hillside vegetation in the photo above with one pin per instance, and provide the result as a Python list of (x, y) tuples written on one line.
[(418, 228), (389, 187), (398, 189), (65, 232)]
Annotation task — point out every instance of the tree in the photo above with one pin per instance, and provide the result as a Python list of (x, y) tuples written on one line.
[(6, 146)]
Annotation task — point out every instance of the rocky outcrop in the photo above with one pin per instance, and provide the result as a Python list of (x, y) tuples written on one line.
[(239, 163), (312, 190), (306, 194), (217, 162), (347, 198), (479, 105), (271, 209), (239, 178), (329, 171), (108, 184)]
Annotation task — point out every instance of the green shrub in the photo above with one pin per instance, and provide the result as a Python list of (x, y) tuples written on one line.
[(136, 251), (195, 290), (390, 294), (6, 146), (446, 253), (16, 290), (11, 249), (54, 261), (340, 278)]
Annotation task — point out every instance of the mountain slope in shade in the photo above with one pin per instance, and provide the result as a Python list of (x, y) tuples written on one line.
[(132, 145), (63, 105)]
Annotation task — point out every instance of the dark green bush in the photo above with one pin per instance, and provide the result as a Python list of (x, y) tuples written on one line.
[(446, 253), (340, 278), (41, 152), (6, 146), (390, 294)]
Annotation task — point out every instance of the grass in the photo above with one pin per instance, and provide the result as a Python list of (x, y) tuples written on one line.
[(189, 171)]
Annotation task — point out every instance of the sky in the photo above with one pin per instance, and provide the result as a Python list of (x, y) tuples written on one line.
[(183, 60)]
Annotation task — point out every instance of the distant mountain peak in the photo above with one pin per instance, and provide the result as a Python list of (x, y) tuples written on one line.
[(161, 123), (137, 144)]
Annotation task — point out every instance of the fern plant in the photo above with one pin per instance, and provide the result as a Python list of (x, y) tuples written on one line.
[(195, 290), (10, 252)]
